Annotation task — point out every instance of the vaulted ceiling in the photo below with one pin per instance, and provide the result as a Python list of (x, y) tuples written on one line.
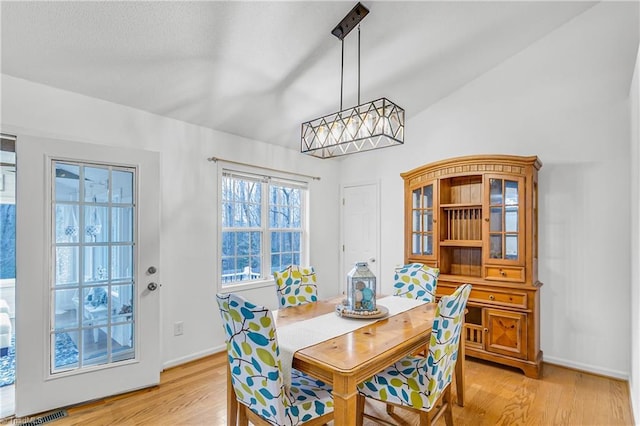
[(259, 69)]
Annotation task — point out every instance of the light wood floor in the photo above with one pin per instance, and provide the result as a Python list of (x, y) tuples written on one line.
[(194, 394)]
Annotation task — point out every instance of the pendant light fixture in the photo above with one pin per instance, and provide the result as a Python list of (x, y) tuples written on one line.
[(372, 125)]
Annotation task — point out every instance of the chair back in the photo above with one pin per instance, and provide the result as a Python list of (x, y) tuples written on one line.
[(296, 285), (416, 281), (445, 338), (254, 357)]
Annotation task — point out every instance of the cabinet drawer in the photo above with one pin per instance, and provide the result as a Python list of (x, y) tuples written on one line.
[(481, 295), (487, 296), (504, 273)]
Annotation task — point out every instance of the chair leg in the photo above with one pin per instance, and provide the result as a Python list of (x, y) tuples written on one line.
[(232, 401), (243, 420), (448, 410), (360, 410), (425, 418)]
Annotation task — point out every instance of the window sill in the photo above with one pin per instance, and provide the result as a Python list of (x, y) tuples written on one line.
[(231, 288)]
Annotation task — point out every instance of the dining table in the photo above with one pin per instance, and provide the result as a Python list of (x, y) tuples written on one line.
[(346, 359)]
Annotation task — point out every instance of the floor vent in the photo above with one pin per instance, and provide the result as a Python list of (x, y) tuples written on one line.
[(47, 418)]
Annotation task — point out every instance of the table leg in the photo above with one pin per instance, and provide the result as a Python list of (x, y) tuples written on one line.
[(460, 369), (345, 399), (232, 402)]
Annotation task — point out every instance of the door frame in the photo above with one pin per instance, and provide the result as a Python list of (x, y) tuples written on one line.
[(33, 375)]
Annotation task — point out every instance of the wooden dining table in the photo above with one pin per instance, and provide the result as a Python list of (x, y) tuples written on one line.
[(348, 359)]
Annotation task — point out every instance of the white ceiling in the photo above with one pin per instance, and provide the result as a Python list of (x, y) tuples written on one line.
[(259, 69)]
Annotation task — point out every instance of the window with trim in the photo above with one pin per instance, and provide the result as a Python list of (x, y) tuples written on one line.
[(263, 226)]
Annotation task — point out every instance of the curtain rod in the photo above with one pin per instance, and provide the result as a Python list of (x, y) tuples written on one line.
[(8, 136), (216, 159)]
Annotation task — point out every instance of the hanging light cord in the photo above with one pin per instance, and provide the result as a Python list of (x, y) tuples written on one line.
[(342, 70), (358, 64), (341, 74)]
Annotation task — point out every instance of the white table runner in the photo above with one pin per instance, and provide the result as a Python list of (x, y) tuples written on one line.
[(302, 334)]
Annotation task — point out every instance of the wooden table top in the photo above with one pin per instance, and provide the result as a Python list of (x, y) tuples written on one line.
[(364, 351)]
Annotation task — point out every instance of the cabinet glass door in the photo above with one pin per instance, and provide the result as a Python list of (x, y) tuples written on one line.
[(422, 221), (506, 219)]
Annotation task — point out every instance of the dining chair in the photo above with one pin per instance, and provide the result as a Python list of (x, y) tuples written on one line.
[(423, 383), (296, 285), (256, 374), (416, 281)]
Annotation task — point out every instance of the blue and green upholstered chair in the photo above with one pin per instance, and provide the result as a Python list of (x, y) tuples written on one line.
[(424, 383), (416, 281), (256, 375), (296, 285)]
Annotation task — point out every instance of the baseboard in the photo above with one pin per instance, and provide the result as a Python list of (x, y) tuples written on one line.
[(587, 368), (192, 357)]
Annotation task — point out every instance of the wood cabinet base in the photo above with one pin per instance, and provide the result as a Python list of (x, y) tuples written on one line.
[(529, 368)]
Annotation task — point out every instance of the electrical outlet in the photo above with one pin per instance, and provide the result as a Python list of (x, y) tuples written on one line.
[(178, 328)]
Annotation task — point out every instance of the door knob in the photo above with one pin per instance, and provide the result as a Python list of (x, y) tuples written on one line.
[(152, 270), (372, 259), (152, 286)]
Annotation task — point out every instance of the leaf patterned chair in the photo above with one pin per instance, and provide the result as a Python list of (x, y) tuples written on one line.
[(254, 362), (423, 383), (296, 285), (416, 281)]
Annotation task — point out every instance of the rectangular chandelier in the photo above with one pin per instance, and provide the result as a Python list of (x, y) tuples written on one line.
[(372, 125), (377, 124)]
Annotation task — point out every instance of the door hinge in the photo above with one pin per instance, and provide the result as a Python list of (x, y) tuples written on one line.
[(343, 247), (343, 201)]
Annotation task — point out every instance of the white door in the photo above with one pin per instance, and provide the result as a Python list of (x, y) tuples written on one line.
[(87, 247), (360, 228)]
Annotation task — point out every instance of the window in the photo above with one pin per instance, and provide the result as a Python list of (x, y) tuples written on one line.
[(94, 239), (7, 214), (263, 226), (7, 241)]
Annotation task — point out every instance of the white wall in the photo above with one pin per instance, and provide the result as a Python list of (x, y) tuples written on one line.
[(634, 99), (560, 99), (188, 268)]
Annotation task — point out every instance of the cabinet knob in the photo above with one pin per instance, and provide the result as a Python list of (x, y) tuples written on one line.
[(486, 330), (491, 297), (486, 219), (503, 273)]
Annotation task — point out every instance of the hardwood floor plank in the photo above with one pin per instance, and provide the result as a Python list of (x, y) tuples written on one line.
[(194, 394), (619, 401), (561, 394)]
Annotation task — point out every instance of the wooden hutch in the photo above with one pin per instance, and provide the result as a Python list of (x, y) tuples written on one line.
[(476, 219)]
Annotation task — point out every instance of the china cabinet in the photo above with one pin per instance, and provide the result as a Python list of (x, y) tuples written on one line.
[(475, 219)]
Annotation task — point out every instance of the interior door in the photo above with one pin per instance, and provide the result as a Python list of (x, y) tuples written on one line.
[(360, 228), (87, 272)]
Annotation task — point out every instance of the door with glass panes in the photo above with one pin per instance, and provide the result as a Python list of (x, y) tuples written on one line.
[(504, 225), (88, 251), (422, 223)]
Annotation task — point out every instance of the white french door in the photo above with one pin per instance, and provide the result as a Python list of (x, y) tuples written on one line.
[(360, 228), (87, 247)]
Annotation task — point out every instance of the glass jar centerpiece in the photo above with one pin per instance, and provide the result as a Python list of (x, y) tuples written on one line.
[(361, 292)]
